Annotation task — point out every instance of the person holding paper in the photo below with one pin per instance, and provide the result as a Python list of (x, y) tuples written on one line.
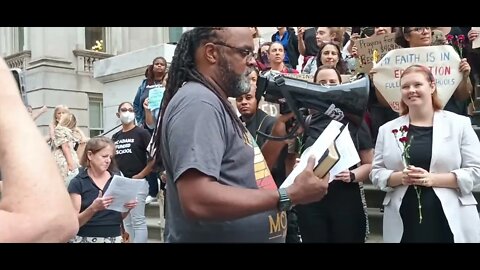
[(97, 223), (131, 157), (152, 112), (428, 184), (341, 216), (34, 205), (410, 37), (218, 184), (154, 74)]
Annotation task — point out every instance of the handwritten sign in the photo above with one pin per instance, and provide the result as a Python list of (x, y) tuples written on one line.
[(476, 42), (271, 109), (346, 78), (268, 107), (309, 77), (155, 96), (366, 46), (303, 77), (443, 61)]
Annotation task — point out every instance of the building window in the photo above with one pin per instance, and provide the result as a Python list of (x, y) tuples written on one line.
[(174, 34), (95, 38), (95, 111)]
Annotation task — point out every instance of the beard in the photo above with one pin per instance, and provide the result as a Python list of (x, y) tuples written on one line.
[(235, 85)]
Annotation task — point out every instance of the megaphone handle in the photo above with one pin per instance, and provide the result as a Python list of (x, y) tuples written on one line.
[(293, 106), (290, 135)]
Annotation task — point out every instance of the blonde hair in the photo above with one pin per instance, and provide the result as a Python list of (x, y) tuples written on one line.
[(69, 120), (339, 36), (57, 109)]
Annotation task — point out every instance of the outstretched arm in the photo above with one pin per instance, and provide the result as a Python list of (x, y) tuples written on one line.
[(37, 114)]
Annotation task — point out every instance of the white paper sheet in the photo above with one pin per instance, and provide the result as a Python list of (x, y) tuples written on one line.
[(317, 149), (347, 151), (123, 190)]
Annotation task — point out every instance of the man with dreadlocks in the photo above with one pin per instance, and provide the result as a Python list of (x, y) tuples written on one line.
[(215, 191)]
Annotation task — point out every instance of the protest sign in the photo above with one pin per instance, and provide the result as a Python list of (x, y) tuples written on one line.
[(303, 77), (366, 46), (443, 61), (476, 42), (269, 108)]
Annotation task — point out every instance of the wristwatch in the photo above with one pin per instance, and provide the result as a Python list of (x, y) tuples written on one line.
[(284, 202), (352, 177)]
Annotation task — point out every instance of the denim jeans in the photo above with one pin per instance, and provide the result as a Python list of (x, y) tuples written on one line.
[(136, 222)]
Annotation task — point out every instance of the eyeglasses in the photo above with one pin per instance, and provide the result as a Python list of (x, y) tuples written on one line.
[(126, 110), (419, 29), (245, 53)]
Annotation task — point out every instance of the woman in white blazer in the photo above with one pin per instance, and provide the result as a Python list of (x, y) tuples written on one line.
[(445, 167)]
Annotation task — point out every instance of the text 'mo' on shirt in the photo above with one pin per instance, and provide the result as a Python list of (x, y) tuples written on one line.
[(198, 133)]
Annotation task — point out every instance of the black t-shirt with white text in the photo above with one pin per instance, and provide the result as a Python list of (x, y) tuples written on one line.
[(131, 150)]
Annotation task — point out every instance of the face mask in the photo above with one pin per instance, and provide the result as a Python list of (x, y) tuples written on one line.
[(127, 117)]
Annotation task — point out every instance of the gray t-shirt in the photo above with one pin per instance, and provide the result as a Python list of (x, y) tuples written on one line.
[(198, 133)]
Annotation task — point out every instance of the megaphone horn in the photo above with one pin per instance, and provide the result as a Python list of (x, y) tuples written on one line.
[(345, 102)]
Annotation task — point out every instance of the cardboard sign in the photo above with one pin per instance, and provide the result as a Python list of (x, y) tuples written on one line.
[(365, 47), (268, 107), (443, 61), (476, 42), (309, 78), (303, 77), (346, 78), (271, 109)]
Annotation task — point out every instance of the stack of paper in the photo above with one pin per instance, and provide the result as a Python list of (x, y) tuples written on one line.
[(348, 155)]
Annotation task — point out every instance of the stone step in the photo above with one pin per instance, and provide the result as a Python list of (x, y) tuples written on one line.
[(374, 239), (373, 196), (155, 230), (152, 210), (152, 213), (375, 219)]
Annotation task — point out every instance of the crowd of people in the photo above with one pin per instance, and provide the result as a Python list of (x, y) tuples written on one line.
[(222, 181)]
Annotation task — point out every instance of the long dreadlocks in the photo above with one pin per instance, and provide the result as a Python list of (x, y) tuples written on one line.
[(183, 69)]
